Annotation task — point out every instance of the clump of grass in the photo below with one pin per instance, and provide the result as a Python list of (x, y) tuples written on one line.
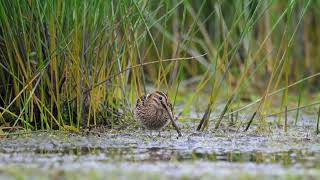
[(72, 64)]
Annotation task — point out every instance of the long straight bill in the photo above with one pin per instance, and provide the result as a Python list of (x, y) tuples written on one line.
[(172, 120)]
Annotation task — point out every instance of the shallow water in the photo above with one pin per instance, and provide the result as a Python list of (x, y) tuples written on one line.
[(134, 154)]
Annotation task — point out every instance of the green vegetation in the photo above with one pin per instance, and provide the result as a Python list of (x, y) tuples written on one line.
[(71, 64)]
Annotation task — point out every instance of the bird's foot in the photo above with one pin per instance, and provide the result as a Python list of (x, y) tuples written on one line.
[(149, 135)]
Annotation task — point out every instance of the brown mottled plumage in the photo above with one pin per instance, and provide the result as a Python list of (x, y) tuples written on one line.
[(154, 111)]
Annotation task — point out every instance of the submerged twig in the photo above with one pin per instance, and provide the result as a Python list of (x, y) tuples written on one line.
[(299, 101), (318, 121), (224, 112), (251, 119), (204, 117), (286, 119)]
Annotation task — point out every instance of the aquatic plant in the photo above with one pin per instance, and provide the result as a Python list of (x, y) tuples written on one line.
[(67, 64)]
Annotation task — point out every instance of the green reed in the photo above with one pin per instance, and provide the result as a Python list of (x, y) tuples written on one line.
[(70, 64)]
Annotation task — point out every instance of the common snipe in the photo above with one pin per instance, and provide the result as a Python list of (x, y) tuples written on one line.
[(155, 112)]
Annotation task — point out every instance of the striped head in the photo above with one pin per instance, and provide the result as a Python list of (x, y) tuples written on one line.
[(157, 99)]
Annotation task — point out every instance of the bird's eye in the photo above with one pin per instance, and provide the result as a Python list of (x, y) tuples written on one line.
[(160, 98)]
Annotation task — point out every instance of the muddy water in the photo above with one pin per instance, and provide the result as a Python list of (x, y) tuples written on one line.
[(133, 154)]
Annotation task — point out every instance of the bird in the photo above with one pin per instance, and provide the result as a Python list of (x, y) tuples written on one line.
[(154, 111)]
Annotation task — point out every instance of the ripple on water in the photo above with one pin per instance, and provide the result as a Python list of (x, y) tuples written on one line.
[(196, 154)]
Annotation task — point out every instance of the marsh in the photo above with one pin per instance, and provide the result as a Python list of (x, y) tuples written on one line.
[(241, 82)]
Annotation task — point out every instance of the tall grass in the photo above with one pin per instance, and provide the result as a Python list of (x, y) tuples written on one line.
[(71, 64)]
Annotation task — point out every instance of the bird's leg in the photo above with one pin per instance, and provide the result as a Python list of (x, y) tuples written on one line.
[(143, 130), (159, 133)]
